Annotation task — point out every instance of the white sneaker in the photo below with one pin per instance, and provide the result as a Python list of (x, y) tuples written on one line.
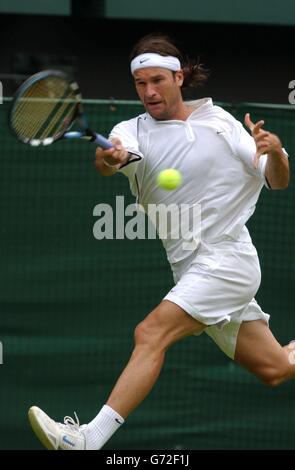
[(57, 436)]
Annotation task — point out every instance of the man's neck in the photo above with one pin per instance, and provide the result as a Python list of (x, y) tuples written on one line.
[(184, 112)]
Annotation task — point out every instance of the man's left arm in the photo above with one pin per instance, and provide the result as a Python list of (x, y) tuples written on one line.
[(277, 170)]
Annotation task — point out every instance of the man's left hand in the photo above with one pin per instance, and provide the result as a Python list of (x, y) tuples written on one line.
[(266, 142)]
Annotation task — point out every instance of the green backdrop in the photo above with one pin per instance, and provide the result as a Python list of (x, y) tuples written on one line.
[(69, 305)]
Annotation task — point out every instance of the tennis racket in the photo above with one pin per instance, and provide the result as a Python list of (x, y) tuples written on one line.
[(44, 109)]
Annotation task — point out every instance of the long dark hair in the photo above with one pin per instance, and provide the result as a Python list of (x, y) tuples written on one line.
[(195, 74)]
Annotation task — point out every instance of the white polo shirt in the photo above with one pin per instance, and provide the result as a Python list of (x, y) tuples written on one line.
[(214, 154)]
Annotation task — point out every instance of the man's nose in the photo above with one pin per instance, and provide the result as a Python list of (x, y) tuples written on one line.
[(149, 91)]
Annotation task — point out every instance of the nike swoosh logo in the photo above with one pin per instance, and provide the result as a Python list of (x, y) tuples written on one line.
[(143, 60), (219, 132), (65, 439), (117, 421)]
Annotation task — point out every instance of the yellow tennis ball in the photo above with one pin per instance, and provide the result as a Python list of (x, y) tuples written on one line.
[(169, 179)]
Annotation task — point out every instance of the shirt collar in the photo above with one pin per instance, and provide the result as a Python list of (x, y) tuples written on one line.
[(201, 107)]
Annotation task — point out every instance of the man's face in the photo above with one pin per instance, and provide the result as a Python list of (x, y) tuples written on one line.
[(159, 90)]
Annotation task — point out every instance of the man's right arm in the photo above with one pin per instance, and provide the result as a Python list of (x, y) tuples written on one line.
[(107, 162)]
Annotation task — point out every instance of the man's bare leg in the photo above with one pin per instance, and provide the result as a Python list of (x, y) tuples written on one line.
[(259, 352), (165, 325)]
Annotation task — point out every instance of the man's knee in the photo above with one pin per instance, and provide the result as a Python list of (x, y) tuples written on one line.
[(149, 333), (166, 324), (274, 375), (142, 332)]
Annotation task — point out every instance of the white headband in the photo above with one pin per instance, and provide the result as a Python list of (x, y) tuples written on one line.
[(150, 59)]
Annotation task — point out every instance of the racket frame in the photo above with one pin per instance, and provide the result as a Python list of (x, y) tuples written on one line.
[(85, 133)]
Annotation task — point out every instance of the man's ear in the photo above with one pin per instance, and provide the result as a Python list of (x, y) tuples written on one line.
[(179, 77)]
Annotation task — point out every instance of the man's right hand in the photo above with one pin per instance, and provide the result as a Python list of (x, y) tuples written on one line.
[(107, 162)]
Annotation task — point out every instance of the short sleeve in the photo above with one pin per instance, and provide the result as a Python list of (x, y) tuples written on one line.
[(126, 131), (245, 149)]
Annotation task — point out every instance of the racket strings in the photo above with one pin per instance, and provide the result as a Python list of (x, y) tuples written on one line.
[(61, 118), (45, 109), (28, 112), (33, 108)]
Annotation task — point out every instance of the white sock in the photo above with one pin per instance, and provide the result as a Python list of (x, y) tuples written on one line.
[(102, 427)]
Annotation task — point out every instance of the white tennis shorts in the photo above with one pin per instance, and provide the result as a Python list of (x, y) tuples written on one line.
[(216, 286)]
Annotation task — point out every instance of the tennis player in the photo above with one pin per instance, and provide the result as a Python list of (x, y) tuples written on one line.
[(224, 169)]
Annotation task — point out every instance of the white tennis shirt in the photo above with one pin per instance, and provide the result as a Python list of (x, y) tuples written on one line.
[(214, 154)]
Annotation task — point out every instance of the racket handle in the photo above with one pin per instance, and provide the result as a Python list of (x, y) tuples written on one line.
[(103, 142)]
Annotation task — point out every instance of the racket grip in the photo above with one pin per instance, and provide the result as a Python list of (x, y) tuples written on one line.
[(103, 142)]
